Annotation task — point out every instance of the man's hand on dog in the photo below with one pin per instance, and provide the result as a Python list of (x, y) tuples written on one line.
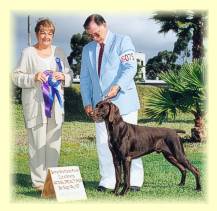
[(113, 91), (89, 110)]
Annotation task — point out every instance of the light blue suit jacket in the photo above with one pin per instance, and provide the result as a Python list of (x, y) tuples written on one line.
[(118, 67)]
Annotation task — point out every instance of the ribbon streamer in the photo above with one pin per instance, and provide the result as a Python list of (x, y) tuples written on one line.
[(50, 88)]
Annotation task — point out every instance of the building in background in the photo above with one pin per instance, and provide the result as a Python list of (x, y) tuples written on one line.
[(140, 75)]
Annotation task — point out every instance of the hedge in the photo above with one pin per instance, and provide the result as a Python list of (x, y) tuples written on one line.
[(73, 101)]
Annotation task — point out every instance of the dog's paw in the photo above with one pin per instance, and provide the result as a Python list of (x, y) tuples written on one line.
[(120, 194), (181, 184), (114, 192), (124, 191), (198, 189)]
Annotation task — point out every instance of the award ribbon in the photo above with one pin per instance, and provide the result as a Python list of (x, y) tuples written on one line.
[(50, 88)]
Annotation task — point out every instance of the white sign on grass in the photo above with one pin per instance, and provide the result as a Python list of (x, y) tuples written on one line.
[(64, 183)]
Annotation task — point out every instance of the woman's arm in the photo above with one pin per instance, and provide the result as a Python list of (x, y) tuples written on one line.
[(20, 76)]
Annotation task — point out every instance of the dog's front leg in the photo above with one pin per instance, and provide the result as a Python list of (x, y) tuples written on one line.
[(126, 168), (117, 165)]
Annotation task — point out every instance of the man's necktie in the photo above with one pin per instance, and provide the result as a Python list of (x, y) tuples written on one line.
[(100, 57)]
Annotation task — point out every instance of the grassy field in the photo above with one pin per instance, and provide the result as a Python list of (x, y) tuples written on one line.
[(78, 148)]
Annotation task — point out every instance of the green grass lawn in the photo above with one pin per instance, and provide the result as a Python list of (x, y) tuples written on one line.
[(78, 148)]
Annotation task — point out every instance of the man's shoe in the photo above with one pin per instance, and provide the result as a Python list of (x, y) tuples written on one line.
[(134, 188), (101, 189)]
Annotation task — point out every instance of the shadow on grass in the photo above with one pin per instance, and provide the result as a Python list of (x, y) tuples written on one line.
[(156, 186), (91, 185), (145, 120), (23, 185), (23, 181)]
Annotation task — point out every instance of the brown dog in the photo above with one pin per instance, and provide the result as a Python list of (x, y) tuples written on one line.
[(127, 141)]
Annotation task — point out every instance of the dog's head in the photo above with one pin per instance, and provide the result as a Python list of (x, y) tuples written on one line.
[(106, 111)]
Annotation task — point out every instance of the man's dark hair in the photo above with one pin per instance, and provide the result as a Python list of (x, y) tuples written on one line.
[(98, 19)]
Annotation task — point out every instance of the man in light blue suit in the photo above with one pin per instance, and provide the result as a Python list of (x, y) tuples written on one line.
[(107, 70)]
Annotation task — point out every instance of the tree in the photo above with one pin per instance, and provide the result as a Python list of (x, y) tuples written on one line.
[(185, 93), (164, 61), (189, 27), (77, 43)]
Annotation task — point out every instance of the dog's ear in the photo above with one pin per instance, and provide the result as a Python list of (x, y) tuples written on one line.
[(112, 113)]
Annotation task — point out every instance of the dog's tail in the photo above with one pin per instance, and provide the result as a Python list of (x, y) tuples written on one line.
[(179, 131)]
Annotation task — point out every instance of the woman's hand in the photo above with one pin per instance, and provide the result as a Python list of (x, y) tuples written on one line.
[(58, 76), (40, 76)]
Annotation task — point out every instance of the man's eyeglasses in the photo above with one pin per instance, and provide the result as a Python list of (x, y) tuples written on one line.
[(94, 35)]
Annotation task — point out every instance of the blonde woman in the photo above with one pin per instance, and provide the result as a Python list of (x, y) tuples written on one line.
[(42, 72)]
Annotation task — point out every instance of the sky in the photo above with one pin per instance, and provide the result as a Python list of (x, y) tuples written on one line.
[(139, 26)]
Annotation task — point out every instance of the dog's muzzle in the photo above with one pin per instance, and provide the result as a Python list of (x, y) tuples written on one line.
[(97, 117)]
